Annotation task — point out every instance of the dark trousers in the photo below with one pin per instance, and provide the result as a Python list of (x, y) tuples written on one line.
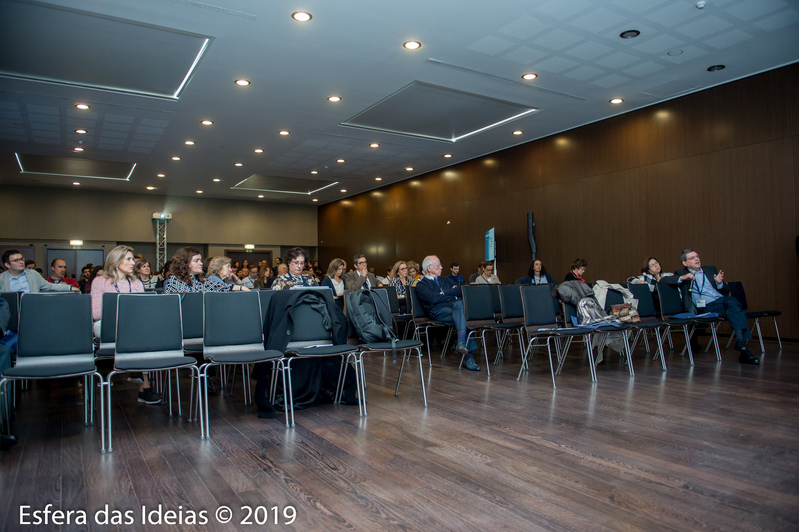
[(730, 308)]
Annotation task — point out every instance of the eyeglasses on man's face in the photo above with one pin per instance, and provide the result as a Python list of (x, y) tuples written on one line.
[(21, 259), (363, 261)]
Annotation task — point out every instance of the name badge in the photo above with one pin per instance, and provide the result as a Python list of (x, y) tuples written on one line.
[(700, 303)]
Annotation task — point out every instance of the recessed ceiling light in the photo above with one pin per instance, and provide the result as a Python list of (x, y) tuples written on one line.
[(188, 142), (82, 106), (374, 145), (629, 34), (216, 180), (75, 183), (334, 98), (616, 100), (340, 160), (314, 172), (207, 122), (78, 148), (411, 45), (161, 175), (301, 16), (343, 190), (198, 191), (258, 150), (284, 133), (378, 178), (260, 195), (176, 158), (238, 164), (315, 199), (518, 132), (242, 82), (674, 52), (150, 188), (529, 76), (447, 155), (409, 168), (715, 68), (80, 131)]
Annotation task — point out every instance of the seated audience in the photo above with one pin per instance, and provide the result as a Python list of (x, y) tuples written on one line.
[(335, 280), (704, 290), (58, 269), (651, 274), (295, 258), (473, 277), (536, 274), (455, 275), (443, 302), (265, 278), (143, 272), (17, 278), (30, 264), (413, 272), (252, 276), (361, 277), (185, 272), (97, 270), (85, 273), (487, 277), (219, 277), (400, 279), (118, 275), (578, 270)]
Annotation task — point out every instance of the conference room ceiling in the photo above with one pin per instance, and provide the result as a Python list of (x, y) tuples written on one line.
[(152, 70)]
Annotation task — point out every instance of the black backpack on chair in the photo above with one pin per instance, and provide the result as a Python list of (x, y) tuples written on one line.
[(371, 316)]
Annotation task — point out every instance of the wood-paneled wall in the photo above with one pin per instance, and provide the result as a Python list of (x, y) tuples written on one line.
[(715, 171)]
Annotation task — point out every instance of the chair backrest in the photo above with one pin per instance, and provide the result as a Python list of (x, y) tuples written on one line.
[(51, 325), (393, 299), (477, 307), (265, 295), (416, 307), (510, 298), (191, 307), (537, 306), (646, 304), (569, 311), (670, 300), (522, 280), (737, 291), (148, 325), (12, 298), (496, 306), (232, 319), (108, 316)]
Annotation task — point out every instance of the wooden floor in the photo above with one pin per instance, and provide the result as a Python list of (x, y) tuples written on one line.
[(714, 446)]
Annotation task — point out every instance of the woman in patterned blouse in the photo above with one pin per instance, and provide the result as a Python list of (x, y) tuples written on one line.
[(296, 260), (186, 272)]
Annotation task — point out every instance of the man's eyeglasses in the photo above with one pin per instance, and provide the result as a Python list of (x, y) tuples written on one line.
[(360, 262), (21, 259)]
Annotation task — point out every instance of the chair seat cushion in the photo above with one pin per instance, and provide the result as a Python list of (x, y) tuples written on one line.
[(155, 364), (323, 351), (386, 346), (35, 371), (245, 357), (647, 324)]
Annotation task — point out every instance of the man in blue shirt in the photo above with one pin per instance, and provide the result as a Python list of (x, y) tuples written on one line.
[(704, 290), (455, 277), (17, 278)]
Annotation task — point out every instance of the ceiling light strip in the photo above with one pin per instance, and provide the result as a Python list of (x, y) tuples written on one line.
[(203, 48)]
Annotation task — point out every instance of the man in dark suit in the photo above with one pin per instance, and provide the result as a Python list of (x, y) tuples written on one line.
[(442, 301), (704, 290), (361, 277)]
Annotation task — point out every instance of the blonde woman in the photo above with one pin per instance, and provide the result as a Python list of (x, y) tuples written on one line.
[(219, 277), (335, 280), (413, 272), (118, 275)]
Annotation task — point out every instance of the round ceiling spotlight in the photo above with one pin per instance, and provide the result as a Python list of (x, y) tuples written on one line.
[(616, 100), (284, 132), (343, 190), (80, 131), (238, 164), (314, 172), (334, 99), (378, 178), (301, 16), (260, 196), (675, 52), (340, 160), (715, 68), (150, 188), (409, 168), (242, 82), (447, 155), (374, 145), (629, 34), (216, 180), (188, 142), (258, 150), (529, 76), (315, 199), (411, 45), (176, 158), (198, 191), (78, 148), (160, 175), (207, 122), (518, 132), (82, 106)]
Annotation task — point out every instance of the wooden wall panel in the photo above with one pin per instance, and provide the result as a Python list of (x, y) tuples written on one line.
[(716, 171)]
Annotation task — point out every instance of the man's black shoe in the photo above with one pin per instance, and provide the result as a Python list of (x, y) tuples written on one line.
[(7, 441), (748, 358)]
